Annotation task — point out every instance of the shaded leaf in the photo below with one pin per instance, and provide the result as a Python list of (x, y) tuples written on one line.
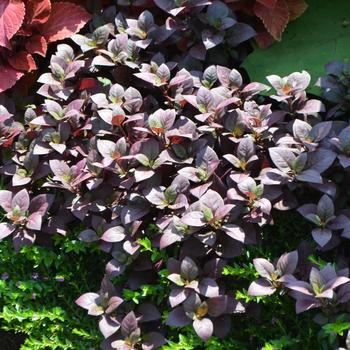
[(11, 18), (60, 26)]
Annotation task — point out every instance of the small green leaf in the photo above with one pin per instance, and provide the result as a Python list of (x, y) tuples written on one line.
[(208, 214), (170, 195)]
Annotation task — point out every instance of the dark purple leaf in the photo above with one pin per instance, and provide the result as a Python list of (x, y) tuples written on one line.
[(325, 208), (217, 305), (129, 324), (178, 318), (177, 296), (189, 269), (208, 287), (148, 312)]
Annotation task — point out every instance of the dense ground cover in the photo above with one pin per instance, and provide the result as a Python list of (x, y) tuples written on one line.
[(157, 187), (60, 324)]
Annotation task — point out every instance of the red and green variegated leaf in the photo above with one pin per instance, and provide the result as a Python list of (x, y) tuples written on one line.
[(60, 25), (296, 8), (37, 11), (11, 19), (22, 61), (36, 45), (268, 3), (9, 77), (275, 19)]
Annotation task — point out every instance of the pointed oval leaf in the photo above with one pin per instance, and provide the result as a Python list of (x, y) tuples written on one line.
[(114, 234), (203, 327), (260, 287), (60, 26), (325, 208), (189, 269), (264, 268)]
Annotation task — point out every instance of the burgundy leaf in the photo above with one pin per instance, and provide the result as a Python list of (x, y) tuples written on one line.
[(9, 77), (11, 18), (60, 26)]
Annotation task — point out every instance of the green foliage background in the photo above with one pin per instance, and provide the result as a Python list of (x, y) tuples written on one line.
[(318, 36), (43, 309), (51, 320)]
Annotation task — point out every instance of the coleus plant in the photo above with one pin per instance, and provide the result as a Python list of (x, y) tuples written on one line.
[(27, 27), (273, 16), (171, 171)]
